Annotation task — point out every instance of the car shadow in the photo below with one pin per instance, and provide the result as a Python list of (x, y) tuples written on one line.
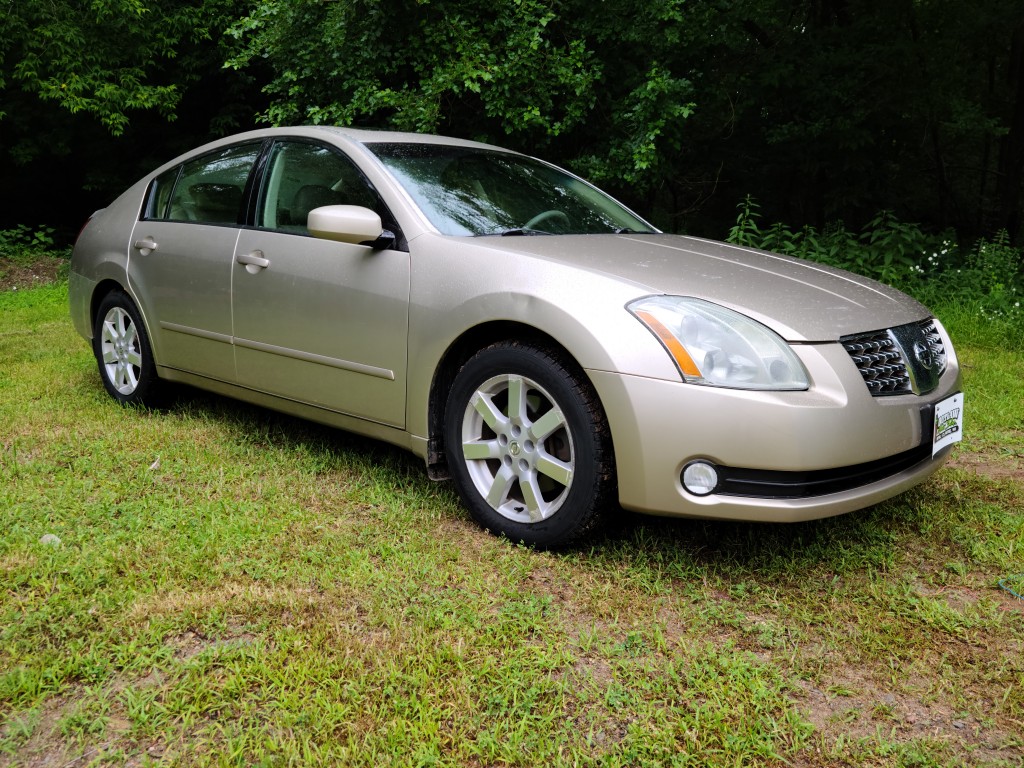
[(257, 425), (861, 541), (675, 547)]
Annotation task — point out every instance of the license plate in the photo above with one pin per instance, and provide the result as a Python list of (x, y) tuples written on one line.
[(949, 422)]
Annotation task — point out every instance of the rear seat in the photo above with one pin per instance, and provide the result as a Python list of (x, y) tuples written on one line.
[(216, 203)]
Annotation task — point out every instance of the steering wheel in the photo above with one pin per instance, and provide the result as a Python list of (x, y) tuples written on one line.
[(544, 216)]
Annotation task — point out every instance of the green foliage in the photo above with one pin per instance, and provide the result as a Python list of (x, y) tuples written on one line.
[(23, 242), (826, 110), (886, 249), (413, 65), (989, 277), (109, 58), (892, 247), (994, 276), (217, 585), (654, 108), (524, 73)]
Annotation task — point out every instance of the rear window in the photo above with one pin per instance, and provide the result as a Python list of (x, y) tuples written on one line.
[(205, 190)]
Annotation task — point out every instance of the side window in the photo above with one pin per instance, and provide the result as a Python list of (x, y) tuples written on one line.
[(302, 176), (206, 190)]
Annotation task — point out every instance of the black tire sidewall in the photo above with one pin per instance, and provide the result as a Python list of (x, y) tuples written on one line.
[(581, 507), (145, 392)]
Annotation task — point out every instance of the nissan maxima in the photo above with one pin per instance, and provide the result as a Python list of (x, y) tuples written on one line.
[(530, 338)]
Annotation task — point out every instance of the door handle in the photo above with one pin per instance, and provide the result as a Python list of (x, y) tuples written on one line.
[(254, 261), (146, 245)]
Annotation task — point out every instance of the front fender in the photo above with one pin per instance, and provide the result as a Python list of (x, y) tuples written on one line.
[(457, 287)]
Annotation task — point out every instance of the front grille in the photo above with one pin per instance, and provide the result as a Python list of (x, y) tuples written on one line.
[(897, 361), (879, 362)]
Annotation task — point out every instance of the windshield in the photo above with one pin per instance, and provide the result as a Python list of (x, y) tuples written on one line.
[(471, 191)]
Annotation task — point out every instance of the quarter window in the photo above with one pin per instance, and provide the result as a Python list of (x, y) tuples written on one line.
[(159, 198)]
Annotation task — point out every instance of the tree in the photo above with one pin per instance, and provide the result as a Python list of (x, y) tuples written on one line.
[(819, 109), (528, 74), (83, 82), (1010, 187), (822, 109), (106, 58)]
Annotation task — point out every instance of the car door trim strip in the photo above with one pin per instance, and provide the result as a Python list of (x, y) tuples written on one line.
[(189, 330), (309, 357)]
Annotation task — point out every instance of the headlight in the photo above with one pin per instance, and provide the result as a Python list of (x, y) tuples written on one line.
[(714, 345)]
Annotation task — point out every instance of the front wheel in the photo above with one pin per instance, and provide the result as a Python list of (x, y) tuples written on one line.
[(528, 445), (123, 353)]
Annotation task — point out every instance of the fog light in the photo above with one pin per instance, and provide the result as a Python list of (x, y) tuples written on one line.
[(700, 478)]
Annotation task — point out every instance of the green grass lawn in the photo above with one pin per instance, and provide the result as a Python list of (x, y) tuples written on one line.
[(215, 584)]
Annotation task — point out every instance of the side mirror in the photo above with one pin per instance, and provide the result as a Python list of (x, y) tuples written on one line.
[(348, 224), (386, 240)]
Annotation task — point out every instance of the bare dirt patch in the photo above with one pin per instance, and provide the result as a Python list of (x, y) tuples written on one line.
[(857, 707), (16, 276), (995, 466)]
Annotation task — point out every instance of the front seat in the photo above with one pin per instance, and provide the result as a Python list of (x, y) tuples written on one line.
[(309, 197)]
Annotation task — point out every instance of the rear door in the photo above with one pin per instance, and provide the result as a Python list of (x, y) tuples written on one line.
[(180, 259)]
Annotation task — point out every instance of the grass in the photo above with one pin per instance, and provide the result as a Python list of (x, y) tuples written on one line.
[(216, 585)]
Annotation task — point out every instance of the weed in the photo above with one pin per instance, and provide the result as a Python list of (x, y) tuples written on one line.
[(236, 587), (985, 281)]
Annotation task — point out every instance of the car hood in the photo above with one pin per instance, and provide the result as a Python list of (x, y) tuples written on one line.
[(800, 300)]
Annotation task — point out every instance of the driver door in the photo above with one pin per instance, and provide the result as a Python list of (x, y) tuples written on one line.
[(318, 321)]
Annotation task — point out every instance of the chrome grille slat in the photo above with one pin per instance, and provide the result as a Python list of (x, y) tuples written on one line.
[(882, 357)]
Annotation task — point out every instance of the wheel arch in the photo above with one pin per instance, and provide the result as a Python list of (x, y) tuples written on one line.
[(103, 289), (461, 350)]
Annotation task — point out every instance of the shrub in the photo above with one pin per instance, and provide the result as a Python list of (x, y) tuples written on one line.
[(22, 243), (987, 279)]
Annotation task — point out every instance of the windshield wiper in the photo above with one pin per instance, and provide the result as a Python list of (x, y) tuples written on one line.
[(523, 232)]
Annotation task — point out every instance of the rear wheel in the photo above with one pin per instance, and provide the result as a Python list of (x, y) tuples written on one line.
[(528, 445), (123, 353)]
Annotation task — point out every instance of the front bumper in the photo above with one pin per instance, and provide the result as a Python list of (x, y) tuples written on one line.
[(837, 448)]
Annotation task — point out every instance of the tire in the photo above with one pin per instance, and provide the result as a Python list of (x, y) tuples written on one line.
[(123, 353), (540, 472)]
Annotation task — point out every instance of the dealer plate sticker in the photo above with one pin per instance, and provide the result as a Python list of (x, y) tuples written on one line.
[(949, 422)]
